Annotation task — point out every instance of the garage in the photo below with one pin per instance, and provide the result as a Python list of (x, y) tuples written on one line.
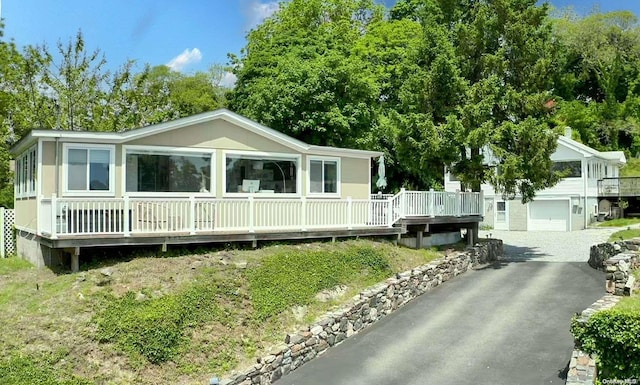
[(549, 215)]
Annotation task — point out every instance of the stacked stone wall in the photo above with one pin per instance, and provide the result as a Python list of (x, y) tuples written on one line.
[(364, 310)]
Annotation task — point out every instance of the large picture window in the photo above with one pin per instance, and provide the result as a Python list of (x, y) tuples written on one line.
[(571, 169), (89, 169), (149, 171), (261, 174), (323, 176)]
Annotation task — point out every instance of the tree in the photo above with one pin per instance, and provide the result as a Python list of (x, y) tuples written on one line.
[(298, 75), (485, 77)]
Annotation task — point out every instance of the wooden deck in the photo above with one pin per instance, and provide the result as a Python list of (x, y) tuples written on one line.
[(71, 224)]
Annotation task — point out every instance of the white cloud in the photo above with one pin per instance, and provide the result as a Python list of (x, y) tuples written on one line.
[(256, 11), (228, 80), (184, 59)]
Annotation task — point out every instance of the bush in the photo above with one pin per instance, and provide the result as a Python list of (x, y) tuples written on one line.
[(614, 336), (295, 277), (156, 328)]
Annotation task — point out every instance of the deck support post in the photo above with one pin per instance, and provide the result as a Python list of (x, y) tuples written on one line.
[(254, 243), (164, 247), (419, 238), (75, 260)]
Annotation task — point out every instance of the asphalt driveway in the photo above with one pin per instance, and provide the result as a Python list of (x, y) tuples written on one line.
[(505, 324)]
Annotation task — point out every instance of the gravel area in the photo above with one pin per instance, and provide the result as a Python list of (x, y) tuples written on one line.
[(550, 246)]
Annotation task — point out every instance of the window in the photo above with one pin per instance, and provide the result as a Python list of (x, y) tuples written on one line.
[(152, 171), (89, 168), (261, 174), (323, 176), (25, 175), (571, 169)]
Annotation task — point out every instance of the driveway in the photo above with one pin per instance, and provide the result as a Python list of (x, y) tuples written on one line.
[(505, 324), (550, 246)]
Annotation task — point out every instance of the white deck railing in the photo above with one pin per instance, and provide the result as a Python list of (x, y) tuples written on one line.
[(193, 215)]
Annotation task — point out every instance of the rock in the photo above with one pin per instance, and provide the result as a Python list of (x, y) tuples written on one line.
[(331, 294), (293, 339), (106, 272), (600, 253), (140, 296), (316, 330), (240, 264), (81, 277)]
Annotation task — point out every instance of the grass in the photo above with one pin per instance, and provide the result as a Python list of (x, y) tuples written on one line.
[(624, 234), (11, 264), (620, 222), (176, 320)]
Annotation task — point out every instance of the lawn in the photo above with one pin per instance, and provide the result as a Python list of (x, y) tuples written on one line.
[(620, 222), (180, 319), (624, 234)]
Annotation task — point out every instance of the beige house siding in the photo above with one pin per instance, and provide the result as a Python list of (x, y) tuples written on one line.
[(218, 134), (355, 178), (26, 213), (48, 177), (517, 215)]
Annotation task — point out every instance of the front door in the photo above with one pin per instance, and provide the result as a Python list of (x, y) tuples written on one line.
[(502, 216)]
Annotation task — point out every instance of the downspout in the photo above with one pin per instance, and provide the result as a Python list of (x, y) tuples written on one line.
[(585, 186)]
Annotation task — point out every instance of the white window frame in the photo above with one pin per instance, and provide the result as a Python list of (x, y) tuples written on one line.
[(162, 150), (26, 174), (87, 146), (323, 159), (280, 156)]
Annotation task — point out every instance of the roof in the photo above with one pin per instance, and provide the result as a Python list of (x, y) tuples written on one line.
[(616, 156), (224, 114)]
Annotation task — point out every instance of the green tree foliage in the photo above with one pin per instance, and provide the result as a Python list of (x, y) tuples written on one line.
[(599, 85), (482, 85), (298, 75)]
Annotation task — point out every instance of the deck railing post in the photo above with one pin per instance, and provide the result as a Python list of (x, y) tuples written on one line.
[(251, 215), (432, 203), (303, 214), (403, 203), (126, 216), (481, 203), (54, 216), (349, 213), (458, 203), (192, 214), (390, 212)]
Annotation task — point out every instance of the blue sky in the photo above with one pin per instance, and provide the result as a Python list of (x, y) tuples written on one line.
[(188, 35)]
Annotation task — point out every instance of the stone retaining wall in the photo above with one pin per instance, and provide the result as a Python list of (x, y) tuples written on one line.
[(601, 252), (582, 367), (364, 310), (618, 269)]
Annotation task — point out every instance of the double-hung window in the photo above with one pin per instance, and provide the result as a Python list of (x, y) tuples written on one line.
[(25, 175), (89, 169), (324, 176)]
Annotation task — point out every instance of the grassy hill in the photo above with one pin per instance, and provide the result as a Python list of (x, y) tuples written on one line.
[(178, 320)]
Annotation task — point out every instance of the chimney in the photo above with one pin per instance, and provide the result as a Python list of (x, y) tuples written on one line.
[(567, 132)]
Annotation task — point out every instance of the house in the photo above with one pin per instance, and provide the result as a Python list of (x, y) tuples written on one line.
[(571, 204), (212, 177)]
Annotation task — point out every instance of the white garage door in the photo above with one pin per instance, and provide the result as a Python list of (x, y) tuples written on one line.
[(549, 215)]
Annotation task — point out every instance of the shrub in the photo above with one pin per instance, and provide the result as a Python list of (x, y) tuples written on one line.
[(294, 277), (156, 328), (614, 335)]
